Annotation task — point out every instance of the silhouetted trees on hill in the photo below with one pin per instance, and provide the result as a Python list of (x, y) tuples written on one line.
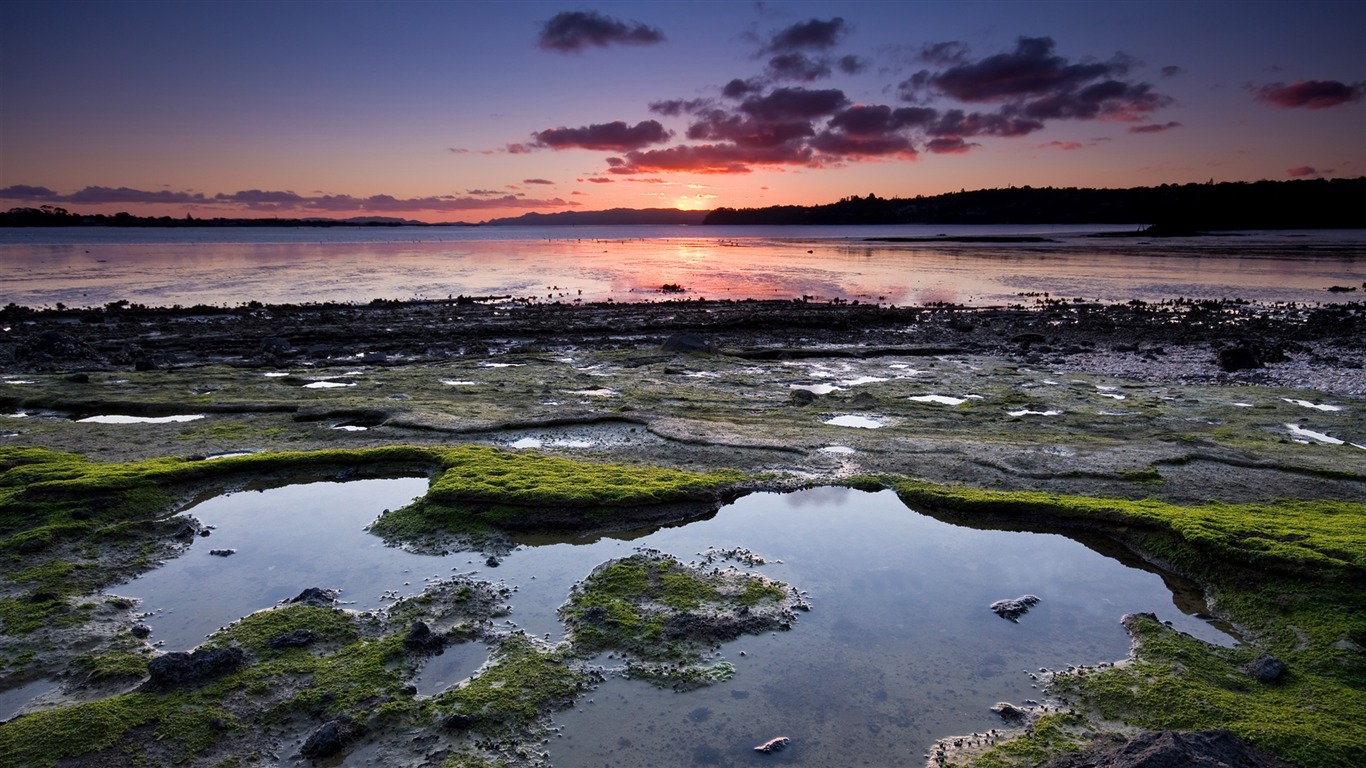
[(1307, 204)]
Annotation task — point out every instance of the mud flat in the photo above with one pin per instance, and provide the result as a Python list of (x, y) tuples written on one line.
[(1220, 440)]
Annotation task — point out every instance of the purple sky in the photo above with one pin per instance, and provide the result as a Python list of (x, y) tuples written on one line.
[(468, 111)]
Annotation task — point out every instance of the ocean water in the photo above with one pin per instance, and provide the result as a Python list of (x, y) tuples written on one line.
[(227, 267)]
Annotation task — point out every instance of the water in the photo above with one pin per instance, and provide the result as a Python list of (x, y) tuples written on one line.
[(227, 267), (900, 649)]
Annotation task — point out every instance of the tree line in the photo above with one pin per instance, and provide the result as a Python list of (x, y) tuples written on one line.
[(1298, 204)]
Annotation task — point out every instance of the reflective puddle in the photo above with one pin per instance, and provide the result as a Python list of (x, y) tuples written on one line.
[(900, 649)]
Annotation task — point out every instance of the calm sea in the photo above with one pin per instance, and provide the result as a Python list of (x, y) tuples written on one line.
[(226, 267)]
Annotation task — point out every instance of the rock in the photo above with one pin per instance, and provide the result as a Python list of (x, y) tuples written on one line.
[(330, 738), (802, 397), (1169, 749), (275, 344), (1266, 669), (420, 638), (140, 631), (492, 562), (1009, 711), (181, 669), (1015, 607), (1248, 356), (222, 552), (459, 722), (687, 342), (315, 596), (296, 639), (773, 745), (78, 378)]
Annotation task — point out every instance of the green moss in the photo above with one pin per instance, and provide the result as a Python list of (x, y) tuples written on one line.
[(114, 665), (521, 684), (683, 591), (254, 632), (1047, 736), (758, 591)]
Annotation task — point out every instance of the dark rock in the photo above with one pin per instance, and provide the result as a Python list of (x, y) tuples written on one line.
[(1266, 668), (422, 639), (315, 596), (181, 669), (1025, 339), (330, 738), (1169, 749), (140, 630), (459, 722), (802, 397), (78, 378), (275, 344), (1014, 608), (296, 639), (1009, 711), (222, 552), (687, 342), (145, 364), (1249, 356), (492, 562)]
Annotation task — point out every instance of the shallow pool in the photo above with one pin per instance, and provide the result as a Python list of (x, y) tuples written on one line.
[(900, 649)]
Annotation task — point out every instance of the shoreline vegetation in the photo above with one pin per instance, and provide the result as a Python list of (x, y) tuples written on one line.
[(1166, 210), (1163, 430)]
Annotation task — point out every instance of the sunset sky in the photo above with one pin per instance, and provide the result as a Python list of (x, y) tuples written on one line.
[(466, 111)]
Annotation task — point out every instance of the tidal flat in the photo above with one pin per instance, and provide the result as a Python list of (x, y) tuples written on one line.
[(1217, 444)]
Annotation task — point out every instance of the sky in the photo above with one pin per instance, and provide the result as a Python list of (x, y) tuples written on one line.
[(467, 111)]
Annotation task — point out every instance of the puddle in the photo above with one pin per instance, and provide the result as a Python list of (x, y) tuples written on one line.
[(459, 383), (602, 436), (329, 384), (1027, 412), (901, 640), (275, 375), (501, 365), (1298, 431), (939, 399), (119, 419), (14, 699), (1315, 406), (837, 449), (453, 664), (1242, 405), (816, 389), (861, 380), (18, 381), (229, 455), (350, 428), (859, 422), (604, 392)]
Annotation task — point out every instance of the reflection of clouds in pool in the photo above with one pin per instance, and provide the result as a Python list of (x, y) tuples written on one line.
[(329, 384), (119, 419), (816, 389), (841, 449), (939, 399), (1315, 406), (1027, 412), (859, 422)]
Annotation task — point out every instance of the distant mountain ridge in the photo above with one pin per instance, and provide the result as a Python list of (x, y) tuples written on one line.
[(655, 216)]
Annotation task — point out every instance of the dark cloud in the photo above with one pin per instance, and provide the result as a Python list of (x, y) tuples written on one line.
[(1311, 94), (955, 122), (744, 131), (457, 150), (1172, 71), (574, 31), (952, 145), (537, 181), (878, 120), (1154, 127), (25, 192), (1301, 171), (1030, 70), (807, 35), (738, 89), (852, 65), (1066, 145), (676, 107), (798, 66), (610, 137), (598, 180), (849, 145), (944, 54), (480, 192), (125, 195), (786, 104), (1110, 99)]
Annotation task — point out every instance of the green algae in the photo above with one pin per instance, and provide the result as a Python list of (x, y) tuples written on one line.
[(523, 682)]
